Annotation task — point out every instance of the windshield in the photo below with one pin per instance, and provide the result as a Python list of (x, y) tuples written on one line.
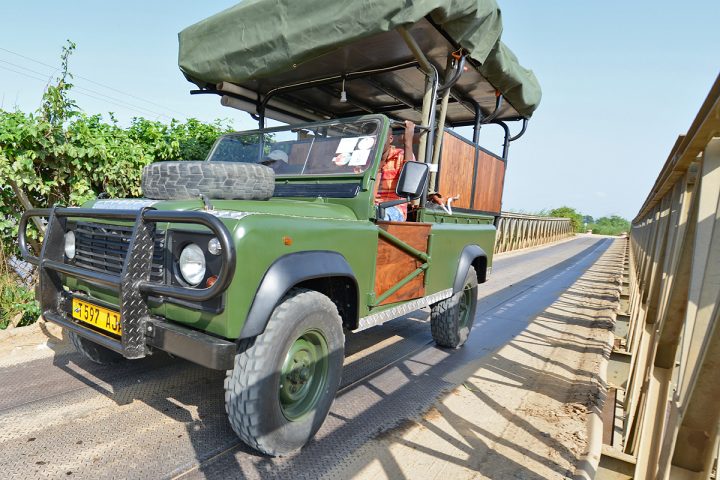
[(330, 149)]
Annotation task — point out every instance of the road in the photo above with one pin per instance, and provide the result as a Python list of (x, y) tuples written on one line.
[(61, 416)]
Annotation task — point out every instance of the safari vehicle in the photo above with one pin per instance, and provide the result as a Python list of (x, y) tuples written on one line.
[(236, 267)]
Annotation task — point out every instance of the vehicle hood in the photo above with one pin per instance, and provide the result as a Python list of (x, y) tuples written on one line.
[(317, 208)]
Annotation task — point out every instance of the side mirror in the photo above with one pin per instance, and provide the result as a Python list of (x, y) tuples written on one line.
[(412, 181)]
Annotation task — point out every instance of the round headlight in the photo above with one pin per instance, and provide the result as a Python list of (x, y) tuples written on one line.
[(214, 246), (192, 264), (70, 245)]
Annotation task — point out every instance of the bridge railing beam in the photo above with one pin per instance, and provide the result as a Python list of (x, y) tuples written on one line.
[(516, 231), (670, 409)]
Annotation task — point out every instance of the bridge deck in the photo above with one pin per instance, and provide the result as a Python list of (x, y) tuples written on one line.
[(63, 417)]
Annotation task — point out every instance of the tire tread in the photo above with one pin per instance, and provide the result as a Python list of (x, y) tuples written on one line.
[(182, 180), (445, 317), (250, 366)]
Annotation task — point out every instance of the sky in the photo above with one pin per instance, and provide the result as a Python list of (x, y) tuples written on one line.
[(621, 80)]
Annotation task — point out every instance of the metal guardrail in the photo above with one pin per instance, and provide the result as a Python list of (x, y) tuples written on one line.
[(671, 405), (516, 231)]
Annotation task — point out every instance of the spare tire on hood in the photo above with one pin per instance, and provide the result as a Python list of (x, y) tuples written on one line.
[(219, 180)]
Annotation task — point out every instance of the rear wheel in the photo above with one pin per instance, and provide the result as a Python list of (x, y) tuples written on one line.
[(94, 352), (452, 319), (284, 380)]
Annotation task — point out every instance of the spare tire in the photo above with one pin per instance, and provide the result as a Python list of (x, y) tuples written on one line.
[(220, 180)]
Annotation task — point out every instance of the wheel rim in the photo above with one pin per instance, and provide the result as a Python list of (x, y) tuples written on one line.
[(304, 374), (465, 304)]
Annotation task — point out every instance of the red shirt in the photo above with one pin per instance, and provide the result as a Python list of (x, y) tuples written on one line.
[(389, 174)]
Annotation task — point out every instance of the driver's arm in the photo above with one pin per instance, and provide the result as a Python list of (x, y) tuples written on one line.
[(409, 133)]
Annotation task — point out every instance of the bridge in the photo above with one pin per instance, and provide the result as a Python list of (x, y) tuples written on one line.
[(664, 399), (591, 357)]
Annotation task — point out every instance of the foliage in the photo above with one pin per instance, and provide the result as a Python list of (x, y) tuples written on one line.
[(613, 225), (17, 301), (60, 155), (576, 218)]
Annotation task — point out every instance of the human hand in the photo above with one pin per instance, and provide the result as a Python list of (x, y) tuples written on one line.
[(409, 128), (409, 132)]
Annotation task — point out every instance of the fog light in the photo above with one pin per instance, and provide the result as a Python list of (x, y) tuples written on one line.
[(70, 245), (214, 246)]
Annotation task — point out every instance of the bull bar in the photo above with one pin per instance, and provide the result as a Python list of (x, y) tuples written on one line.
[(139, 328)]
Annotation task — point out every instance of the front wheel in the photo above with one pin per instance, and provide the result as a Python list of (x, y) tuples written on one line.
[(284, 380), (452, 319)]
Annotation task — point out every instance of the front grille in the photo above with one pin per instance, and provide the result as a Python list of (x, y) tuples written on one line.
[(103, 248)]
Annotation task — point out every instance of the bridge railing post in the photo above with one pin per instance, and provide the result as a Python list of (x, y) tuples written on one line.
[(670, 409)]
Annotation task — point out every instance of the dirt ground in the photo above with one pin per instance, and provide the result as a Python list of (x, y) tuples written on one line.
[(524, 413)]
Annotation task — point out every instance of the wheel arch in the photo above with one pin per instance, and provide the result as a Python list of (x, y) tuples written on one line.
[(472, 256), (324, 271)]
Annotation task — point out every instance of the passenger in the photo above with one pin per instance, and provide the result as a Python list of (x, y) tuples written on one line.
[(391, 163), (278, 161)]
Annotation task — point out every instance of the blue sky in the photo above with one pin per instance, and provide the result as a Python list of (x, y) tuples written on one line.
[(621, 80)]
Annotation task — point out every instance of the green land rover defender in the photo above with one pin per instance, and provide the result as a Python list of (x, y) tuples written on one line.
[(262, 271)]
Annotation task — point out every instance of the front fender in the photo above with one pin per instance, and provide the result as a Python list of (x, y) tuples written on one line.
[(286, 272)]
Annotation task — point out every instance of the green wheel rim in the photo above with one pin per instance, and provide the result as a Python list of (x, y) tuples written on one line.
[(304, 373), (465, 303)]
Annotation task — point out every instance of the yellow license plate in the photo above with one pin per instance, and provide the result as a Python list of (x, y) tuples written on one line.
[(100, 317)]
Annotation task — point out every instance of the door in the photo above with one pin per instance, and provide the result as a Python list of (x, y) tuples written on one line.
[(396, 262)]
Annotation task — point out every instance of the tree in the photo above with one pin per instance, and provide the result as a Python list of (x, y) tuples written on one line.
[(60, 155), (576, 219), (613, 225)]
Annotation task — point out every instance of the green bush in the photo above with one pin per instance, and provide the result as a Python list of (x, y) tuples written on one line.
[(613, 225), (61, 156), (576, 218), (17, 301)]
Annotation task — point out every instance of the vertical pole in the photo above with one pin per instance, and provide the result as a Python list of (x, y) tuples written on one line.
[(429, 99), (441, 122)]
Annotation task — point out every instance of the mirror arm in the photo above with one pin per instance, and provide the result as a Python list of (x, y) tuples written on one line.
[(391, 203)]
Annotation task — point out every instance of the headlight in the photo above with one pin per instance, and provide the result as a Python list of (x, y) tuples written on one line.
[(70, 245), (192, 264)]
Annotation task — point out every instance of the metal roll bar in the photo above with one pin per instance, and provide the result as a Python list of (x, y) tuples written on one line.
[(454, 76), (498, 105), (145, 216)]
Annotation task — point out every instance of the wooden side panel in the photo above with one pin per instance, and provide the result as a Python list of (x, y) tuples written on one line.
[(394, 264), (456, 170), (489, 183)]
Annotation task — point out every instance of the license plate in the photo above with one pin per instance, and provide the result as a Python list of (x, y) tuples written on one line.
[(100, 317)]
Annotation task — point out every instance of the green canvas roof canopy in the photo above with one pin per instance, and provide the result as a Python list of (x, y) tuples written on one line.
[(306, 53)]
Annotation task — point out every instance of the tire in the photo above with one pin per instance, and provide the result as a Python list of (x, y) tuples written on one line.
[(219, 180), (276, 396), (452, 319), (94, 352)]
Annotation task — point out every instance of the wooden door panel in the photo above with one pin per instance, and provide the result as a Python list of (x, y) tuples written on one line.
[(394, 264)]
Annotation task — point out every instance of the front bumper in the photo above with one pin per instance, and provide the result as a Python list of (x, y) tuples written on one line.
[(198, 347), (141, 331)]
